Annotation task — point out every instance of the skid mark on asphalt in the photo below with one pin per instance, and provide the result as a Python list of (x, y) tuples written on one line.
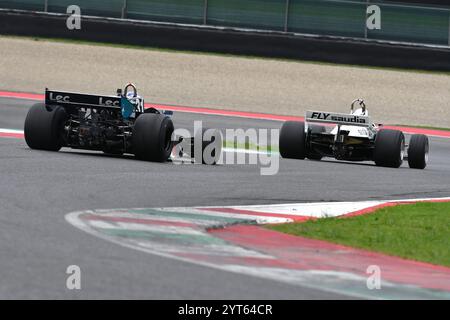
[(230, 238)]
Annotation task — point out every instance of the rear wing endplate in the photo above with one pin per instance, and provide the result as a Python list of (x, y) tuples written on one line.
[(337, 118)]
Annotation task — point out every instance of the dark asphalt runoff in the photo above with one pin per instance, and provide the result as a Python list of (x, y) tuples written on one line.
[(38, 188)]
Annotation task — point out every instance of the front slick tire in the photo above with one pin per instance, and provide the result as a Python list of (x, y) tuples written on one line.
[(44, 127), (152, 137), (389, 148), (292, 141)]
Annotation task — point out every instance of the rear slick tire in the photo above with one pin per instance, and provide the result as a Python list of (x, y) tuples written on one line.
[(152, 137), (44, 127), (292, 142), (389, 148)]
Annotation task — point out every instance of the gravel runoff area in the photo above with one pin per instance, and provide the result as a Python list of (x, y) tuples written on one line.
[(225, 82)]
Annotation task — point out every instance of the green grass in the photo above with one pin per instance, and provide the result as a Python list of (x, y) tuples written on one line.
[(114, 45), (414, 231)]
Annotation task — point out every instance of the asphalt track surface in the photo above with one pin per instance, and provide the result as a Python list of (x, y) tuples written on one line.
[(38, 188)]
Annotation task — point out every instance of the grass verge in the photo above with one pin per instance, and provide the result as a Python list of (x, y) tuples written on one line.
[(418, 231)]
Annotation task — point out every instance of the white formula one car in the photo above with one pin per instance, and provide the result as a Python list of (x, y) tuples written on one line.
[(351, 137)]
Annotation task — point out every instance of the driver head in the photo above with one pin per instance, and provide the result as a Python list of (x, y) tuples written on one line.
[(130, 95), (360, 112), (130, 88)]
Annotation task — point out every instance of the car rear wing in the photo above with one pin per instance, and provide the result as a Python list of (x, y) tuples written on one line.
[(337, 118), (72, 99)]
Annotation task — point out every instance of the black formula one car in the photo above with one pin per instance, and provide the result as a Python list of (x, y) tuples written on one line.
[(113, 124), (351, 137)]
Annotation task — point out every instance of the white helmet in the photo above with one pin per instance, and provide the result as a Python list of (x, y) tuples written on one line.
[(360, 111)]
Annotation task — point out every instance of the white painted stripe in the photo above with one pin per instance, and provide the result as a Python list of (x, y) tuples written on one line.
[(122, 213), (125, 213), (317, 210), (256, 218), (144, 227), (11, 131), (322, 209)]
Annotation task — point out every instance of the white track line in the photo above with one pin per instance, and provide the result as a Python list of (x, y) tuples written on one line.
[(11, 131)]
